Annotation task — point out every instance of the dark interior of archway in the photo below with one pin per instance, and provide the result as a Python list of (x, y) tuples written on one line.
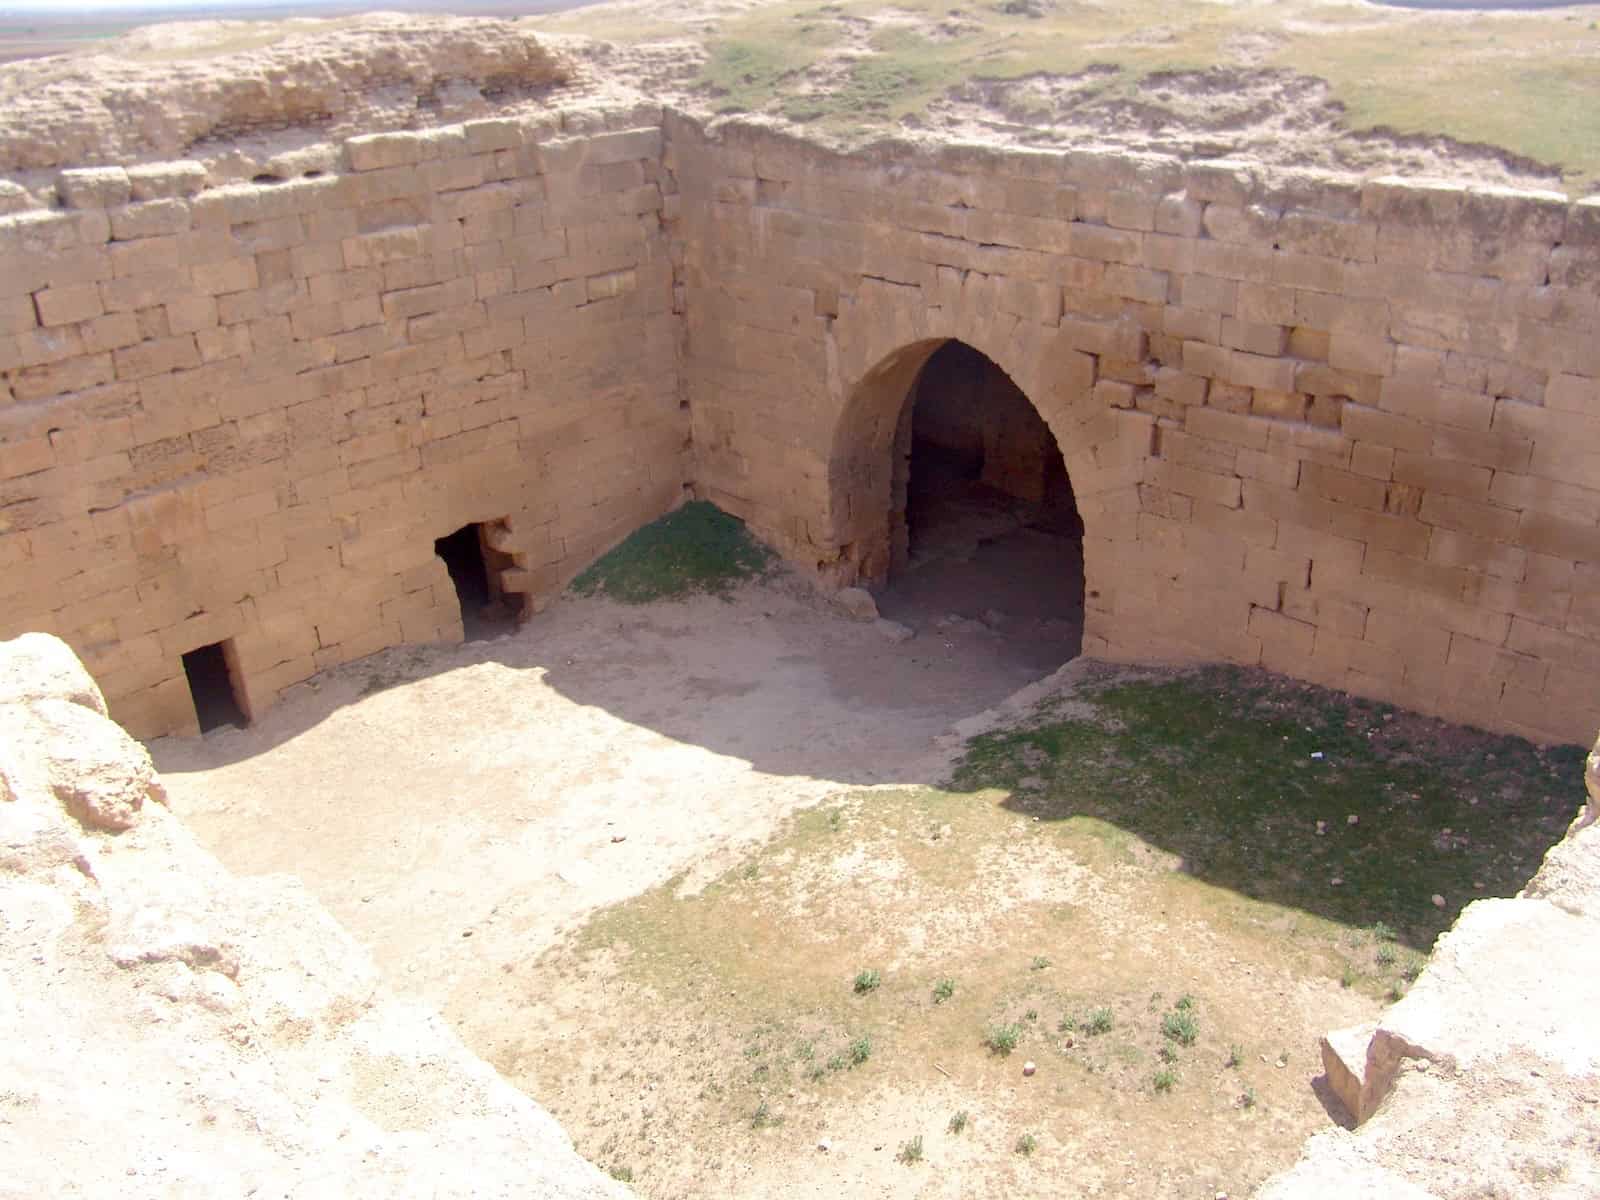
[(484, 613), (211, 688), (994, 540)]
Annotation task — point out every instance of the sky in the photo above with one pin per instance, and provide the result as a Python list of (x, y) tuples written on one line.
[(62, 8)]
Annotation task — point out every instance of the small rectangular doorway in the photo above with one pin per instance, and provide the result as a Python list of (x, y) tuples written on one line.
[(475, 567), (213, 685)]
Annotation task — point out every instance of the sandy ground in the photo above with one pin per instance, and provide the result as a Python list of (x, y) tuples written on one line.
[(466, 811), (596, 752)]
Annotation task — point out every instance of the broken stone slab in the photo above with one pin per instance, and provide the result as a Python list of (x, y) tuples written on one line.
[(857, 602), (1344, 1061), (1511, 978), (1570, 875)]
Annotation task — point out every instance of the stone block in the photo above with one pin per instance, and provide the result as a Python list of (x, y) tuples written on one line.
[(94, 187)]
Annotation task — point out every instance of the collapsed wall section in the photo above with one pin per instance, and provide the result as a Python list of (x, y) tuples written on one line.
[(243, 414), (1348, 431)]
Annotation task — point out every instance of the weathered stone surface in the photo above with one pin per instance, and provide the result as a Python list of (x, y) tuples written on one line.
[(1496, 986), (93, 187), (36, 666), (100, 775), (1570, 875), (237, 1040), (1336, 1167)]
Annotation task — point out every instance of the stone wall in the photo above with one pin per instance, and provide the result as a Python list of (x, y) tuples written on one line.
[(1348, 431), (242, 414)]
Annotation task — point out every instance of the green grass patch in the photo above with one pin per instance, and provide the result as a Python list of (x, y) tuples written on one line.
[(1231, 771), (697, 548)]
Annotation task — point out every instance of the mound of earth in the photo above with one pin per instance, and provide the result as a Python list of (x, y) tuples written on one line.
[(167, 91)]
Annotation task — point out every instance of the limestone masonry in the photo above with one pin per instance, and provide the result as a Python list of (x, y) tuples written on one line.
[(1347, 430), (175, 1031)]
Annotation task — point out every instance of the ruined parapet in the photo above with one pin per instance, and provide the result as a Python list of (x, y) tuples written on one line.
[(194, 90), (192, 1033), (1484, 1077)]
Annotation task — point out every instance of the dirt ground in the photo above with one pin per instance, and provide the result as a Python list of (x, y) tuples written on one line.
[(593, 754), (483, 816)]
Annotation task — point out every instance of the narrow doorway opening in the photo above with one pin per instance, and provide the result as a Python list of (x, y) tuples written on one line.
[(986, 528), (213, 686), (475, 565)]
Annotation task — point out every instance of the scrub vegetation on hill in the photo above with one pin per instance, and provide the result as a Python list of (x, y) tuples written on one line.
[(1524, 81)]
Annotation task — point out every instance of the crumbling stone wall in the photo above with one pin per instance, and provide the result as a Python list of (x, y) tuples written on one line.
[(1348, 431), (245, 412)]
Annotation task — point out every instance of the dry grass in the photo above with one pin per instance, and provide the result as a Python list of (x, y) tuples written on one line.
[(1527, 81)]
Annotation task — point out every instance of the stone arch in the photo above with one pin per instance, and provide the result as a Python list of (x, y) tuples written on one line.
[(1104, 450)]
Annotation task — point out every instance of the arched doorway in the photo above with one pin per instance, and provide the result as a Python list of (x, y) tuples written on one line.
[(985, 535)]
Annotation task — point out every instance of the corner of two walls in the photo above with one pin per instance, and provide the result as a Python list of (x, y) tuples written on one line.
[(243, 414)]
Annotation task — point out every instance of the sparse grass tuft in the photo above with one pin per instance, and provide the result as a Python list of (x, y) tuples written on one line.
[(1235, 1057), (1099, 1021), (1180, 1026), (943, 990), (1040, 962), (698, 548), (958, 1122), (621, 1174), (1003, 1039), (860, 1050), (911, 1152), (764, 1117), (1026, 1144), (867, 980), (1165, 1079)]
